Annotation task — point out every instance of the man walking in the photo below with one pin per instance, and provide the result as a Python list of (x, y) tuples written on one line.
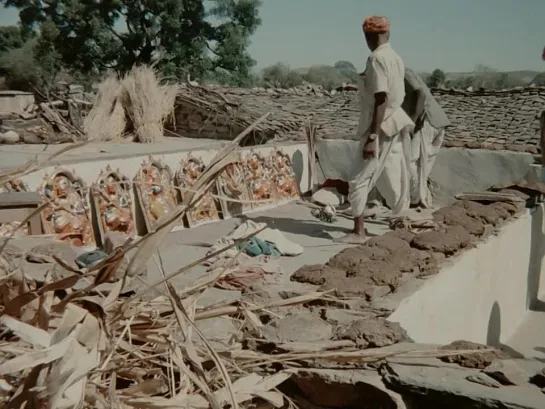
[(426, 140), (382, 126)]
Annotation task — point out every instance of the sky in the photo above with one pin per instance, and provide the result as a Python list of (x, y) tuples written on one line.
[(453, 35)]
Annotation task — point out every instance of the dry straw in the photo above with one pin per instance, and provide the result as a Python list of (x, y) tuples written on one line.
[(147, 102), (106, 121)]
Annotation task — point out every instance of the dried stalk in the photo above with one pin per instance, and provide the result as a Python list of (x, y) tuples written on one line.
[(310, 134)]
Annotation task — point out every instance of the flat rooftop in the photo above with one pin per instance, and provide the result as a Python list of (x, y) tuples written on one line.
[(294, 220)]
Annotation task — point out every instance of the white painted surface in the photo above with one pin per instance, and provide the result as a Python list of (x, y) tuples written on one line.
[(15, 102), (456, 170), (485, 294)]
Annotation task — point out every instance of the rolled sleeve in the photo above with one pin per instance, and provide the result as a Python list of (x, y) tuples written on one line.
[(378, 76)]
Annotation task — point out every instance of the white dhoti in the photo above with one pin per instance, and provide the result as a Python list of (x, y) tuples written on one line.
[(425, 146), (388, 171)]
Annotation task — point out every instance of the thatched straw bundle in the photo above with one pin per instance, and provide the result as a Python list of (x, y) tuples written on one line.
[(147, 102), (106, 120)]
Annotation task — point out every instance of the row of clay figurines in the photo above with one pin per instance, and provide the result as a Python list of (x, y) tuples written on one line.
[(264, 178), (68, 215)]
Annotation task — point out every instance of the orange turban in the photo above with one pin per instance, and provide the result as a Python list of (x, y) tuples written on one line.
[(376, 24)]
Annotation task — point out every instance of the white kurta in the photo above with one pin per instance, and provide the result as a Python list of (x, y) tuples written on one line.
[(425, 145), (388, 170)]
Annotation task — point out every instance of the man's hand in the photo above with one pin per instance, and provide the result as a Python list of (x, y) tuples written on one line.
[(418, 123), (370, 147)]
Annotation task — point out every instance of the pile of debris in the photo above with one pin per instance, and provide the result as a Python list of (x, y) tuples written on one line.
[(57, 119), (70, 338), (132, 107)]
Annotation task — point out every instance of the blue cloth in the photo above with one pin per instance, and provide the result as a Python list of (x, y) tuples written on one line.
[(257, 247)]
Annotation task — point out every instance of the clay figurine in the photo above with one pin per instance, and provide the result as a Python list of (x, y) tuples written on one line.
[(68, 213)]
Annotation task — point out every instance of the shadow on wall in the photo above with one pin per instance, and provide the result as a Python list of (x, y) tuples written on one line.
[(537, 253), (298, 164), (494, 326), (493, 336)]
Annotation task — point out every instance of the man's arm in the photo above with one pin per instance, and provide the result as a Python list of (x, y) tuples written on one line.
[(419, 105), (542, 138), (379, 111), (378, 77)]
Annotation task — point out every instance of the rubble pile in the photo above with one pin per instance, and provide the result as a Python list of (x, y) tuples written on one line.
[(497, 120), (48, 121)]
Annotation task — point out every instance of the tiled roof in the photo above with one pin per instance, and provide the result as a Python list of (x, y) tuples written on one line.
[(507, 119)]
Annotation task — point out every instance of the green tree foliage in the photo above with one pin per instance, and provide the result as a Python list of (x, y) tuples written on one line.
[(461, 83), (179, 37), (539, 80), (11, 37), (488, 79), (20, 69), (324, 75), (481, 68), (329, 77), (28, 62), (501, 81), (347, 70), (436, 79), (281, 75)]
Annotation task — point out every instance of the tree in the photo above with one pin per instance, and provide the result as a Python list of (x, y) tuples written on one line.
[(502, 81), (24, 61), (484, 68), (324, 75), (539, 80), (179, 37), (11, 37), (461, 83), (347, 70), (281, 75), (20, 68), (436, 79)]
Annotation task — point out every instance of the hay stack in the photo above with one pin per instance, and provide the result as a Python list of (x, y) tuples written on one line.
[(106, 120), (147, 103)]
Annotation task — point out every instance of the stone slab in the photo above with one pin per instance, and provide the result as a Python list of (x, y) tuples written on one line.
[(449, 388)]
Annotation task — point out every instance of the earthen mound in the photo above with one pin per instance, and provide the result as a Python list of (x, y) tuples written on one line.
[(372, 333), (458, 216), (477, 360), (493, 214), (447, 241)]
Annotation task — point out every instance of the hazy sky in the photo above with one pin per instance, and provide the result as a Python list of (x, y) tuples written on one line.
[(454, 35)]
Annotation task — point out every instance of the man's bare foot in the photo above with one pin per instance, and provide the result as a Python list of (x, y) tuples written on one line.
[(351, 238)]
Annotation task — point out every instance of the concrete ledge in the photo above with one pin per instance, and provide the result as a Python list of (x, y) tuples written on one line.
[(456, 170), (485, 293), (15, 102)]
